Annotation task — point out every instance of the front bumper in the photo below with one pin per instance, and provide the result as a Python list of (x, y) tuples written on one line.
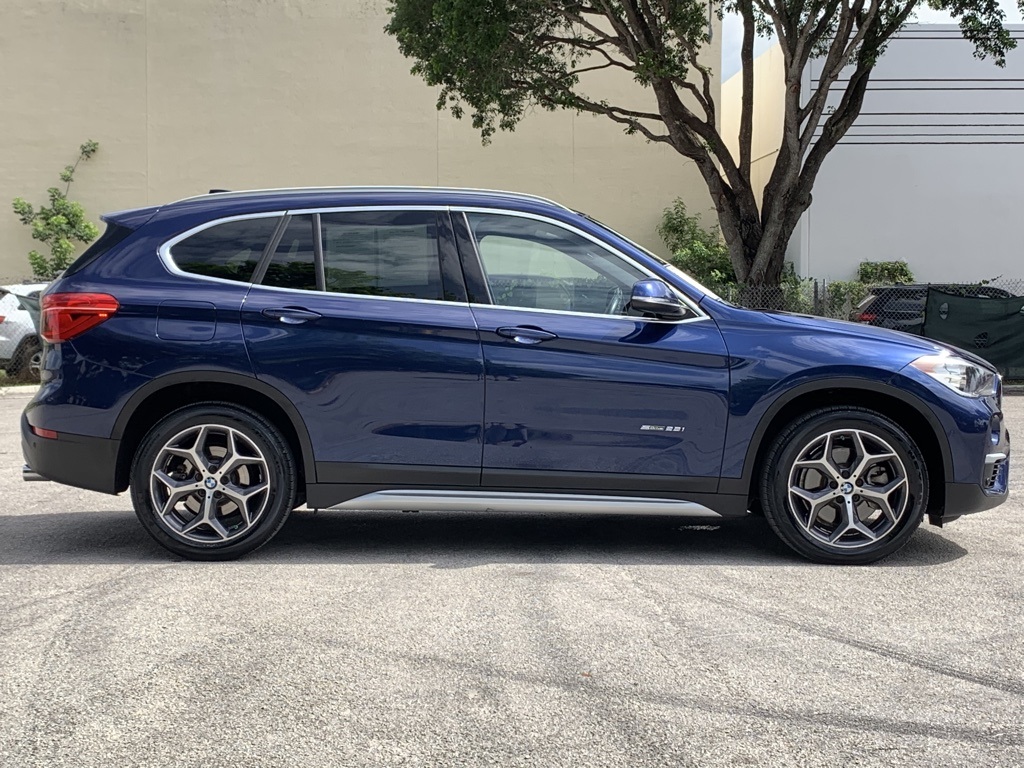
[(84, 462), (992, 490)]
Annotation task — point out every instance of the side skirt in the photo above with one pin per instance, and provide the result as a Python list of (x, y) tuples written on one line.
[(321, 496)]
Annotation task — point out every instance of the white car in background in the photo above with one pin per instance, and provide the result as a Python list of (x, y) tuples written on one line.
[(20, 349)]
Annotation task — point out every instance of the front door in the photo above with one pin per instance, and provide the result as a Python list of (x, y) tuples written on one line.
[(580, 395), (359, 323)]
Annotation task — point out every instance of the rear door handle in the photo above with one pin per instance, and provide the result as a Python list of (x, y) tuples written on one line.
[(526, 334), (291, 315)]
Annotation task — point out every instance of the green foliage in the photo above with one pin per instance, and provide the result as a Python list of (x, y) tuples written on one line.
[(843, 296), (797, 292), (884, 272), (59, 225), (697, 251)]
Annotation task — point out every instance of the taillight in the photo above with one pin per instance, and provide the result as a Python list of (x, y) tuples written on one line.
[(866, 317), (66, 315)]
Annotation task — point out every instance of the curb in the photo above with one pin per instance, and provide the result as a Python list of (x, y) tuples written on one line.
[(23, 392)]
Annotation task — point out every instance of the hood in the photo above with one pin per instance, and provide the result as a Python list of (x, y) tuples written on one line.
[(862, 331)]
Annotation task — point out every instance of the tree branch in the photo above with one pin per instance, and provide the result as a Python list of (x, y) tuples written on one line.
[(746, 136)]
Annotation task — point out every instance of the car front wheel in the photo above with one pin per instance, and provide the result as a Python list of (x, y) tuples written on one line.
[(213, 481), (844, 485)]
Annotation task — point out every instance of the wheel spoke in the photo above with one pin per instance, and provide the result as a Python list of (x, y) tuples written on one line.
[(187, 484), (862, 454), (812, 497), (242, 496), (172, 500), (234, 460), (812, 516), (821, 466), (882, 496), (195, 453)]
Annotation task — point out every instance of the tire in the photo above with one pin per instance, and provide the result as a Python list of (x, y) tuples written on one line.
[(26, 363), (222, 509), (852, 519)]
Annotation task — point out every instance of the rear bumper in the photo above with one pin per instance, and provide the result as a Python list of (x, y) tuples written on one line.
[(84, 462)]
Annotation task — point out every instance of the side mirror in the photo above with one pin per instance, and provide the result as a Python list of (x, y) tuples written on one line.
[(653, 297)]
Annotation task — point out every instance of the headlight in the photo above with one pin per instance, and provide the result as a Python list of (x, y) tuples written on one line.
[(958, 374)]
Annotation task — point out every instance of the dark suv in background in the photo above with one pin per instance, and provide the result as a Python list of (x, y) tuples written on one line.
[(230, 357), (901, 307)]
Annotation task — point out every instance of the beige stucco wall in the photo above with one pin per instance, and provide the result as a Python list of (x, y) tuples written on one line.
[(769, 93), (192, 94)]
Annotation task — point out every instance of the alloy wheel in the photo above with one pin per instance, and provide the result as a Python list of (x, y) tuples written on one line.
[(209, 484), (848, 488)]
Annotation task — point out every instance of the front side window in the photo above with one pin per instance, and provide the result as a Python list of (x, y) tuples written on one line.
[(382, 253), (539, 265), (229, 251)]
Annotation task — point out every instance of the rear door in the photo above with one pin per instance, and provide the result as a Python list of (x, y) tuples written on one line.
[(360, 317), (580, 395)]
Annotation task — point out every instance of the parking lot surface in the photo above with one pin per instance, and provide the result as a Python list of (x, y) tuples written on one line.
[(436, 639)]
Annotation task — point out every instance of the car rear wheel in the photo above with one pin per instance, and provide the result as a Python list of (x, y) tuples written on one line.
[(844, 485), (213, 481), (27, 360)]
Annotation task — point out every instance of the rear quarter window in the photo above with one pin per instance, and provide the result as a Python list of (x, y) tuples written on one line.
[(229, 251)]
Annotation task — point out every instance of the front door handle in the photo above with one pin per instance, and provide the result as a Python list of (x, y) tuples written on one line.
[(291, 315), (526, 334)]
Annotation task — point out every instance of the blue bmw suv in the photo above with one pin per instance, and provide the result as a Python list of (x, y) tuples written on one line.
[(230, 357)]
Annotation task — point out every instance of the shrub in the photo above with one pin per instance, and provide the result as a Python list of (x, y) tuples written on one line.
[(60, 225), (697, 251), (884, 272), (844, 295)]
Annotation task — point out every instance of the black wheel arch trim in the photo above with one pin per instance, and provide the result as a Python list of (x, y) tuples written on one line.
[(743, 484), (154, 386)]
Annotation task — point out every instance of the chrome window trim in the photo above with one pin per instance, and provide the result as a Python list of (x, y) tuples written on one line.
[(630, 318), (167, 259), (698, 313)]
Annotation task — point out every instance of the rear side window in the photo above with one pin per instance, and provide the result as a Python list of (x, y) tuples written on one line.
[(229, 251), (112, 236), (293, 264), (382, 253)]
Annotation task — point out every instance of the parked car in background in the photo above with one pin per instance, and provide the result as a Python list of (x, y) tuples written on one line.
[(230, 357), (20, 346), (901, 307)]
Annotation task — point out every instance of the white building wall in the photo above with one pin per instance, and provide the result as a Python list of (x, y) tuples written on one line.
[(932, 172)]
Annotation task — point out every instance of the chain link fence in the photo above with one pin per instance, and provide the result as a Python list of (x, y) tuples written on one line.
[(985, 318)]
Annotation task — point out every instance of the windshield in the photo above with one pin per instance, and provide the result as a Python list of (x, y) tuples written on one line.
[(685, 278)]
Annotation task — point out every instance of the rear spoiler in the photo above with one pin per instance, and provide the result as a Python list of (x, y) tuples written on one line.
[(132, 218)]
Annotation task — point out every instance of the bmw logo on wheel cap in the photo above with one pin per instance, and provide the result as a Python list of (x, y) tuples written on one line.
[(210, 483)]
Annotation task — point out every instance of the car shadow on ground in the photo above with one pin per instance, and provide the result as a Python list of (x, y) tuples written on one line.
[(444, 540)]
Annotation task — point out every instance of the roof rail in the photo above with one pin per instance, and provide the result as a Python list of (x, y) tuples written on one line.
[(376, 188)]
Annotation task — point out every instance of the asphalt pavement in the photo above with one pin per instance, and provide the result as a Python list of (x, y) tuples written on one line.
[(456, 639)]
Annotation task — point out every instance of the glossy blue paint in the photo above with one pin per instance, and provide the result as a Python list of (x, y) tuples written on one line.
[(382, 381), (395, 383), (580, 402)]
